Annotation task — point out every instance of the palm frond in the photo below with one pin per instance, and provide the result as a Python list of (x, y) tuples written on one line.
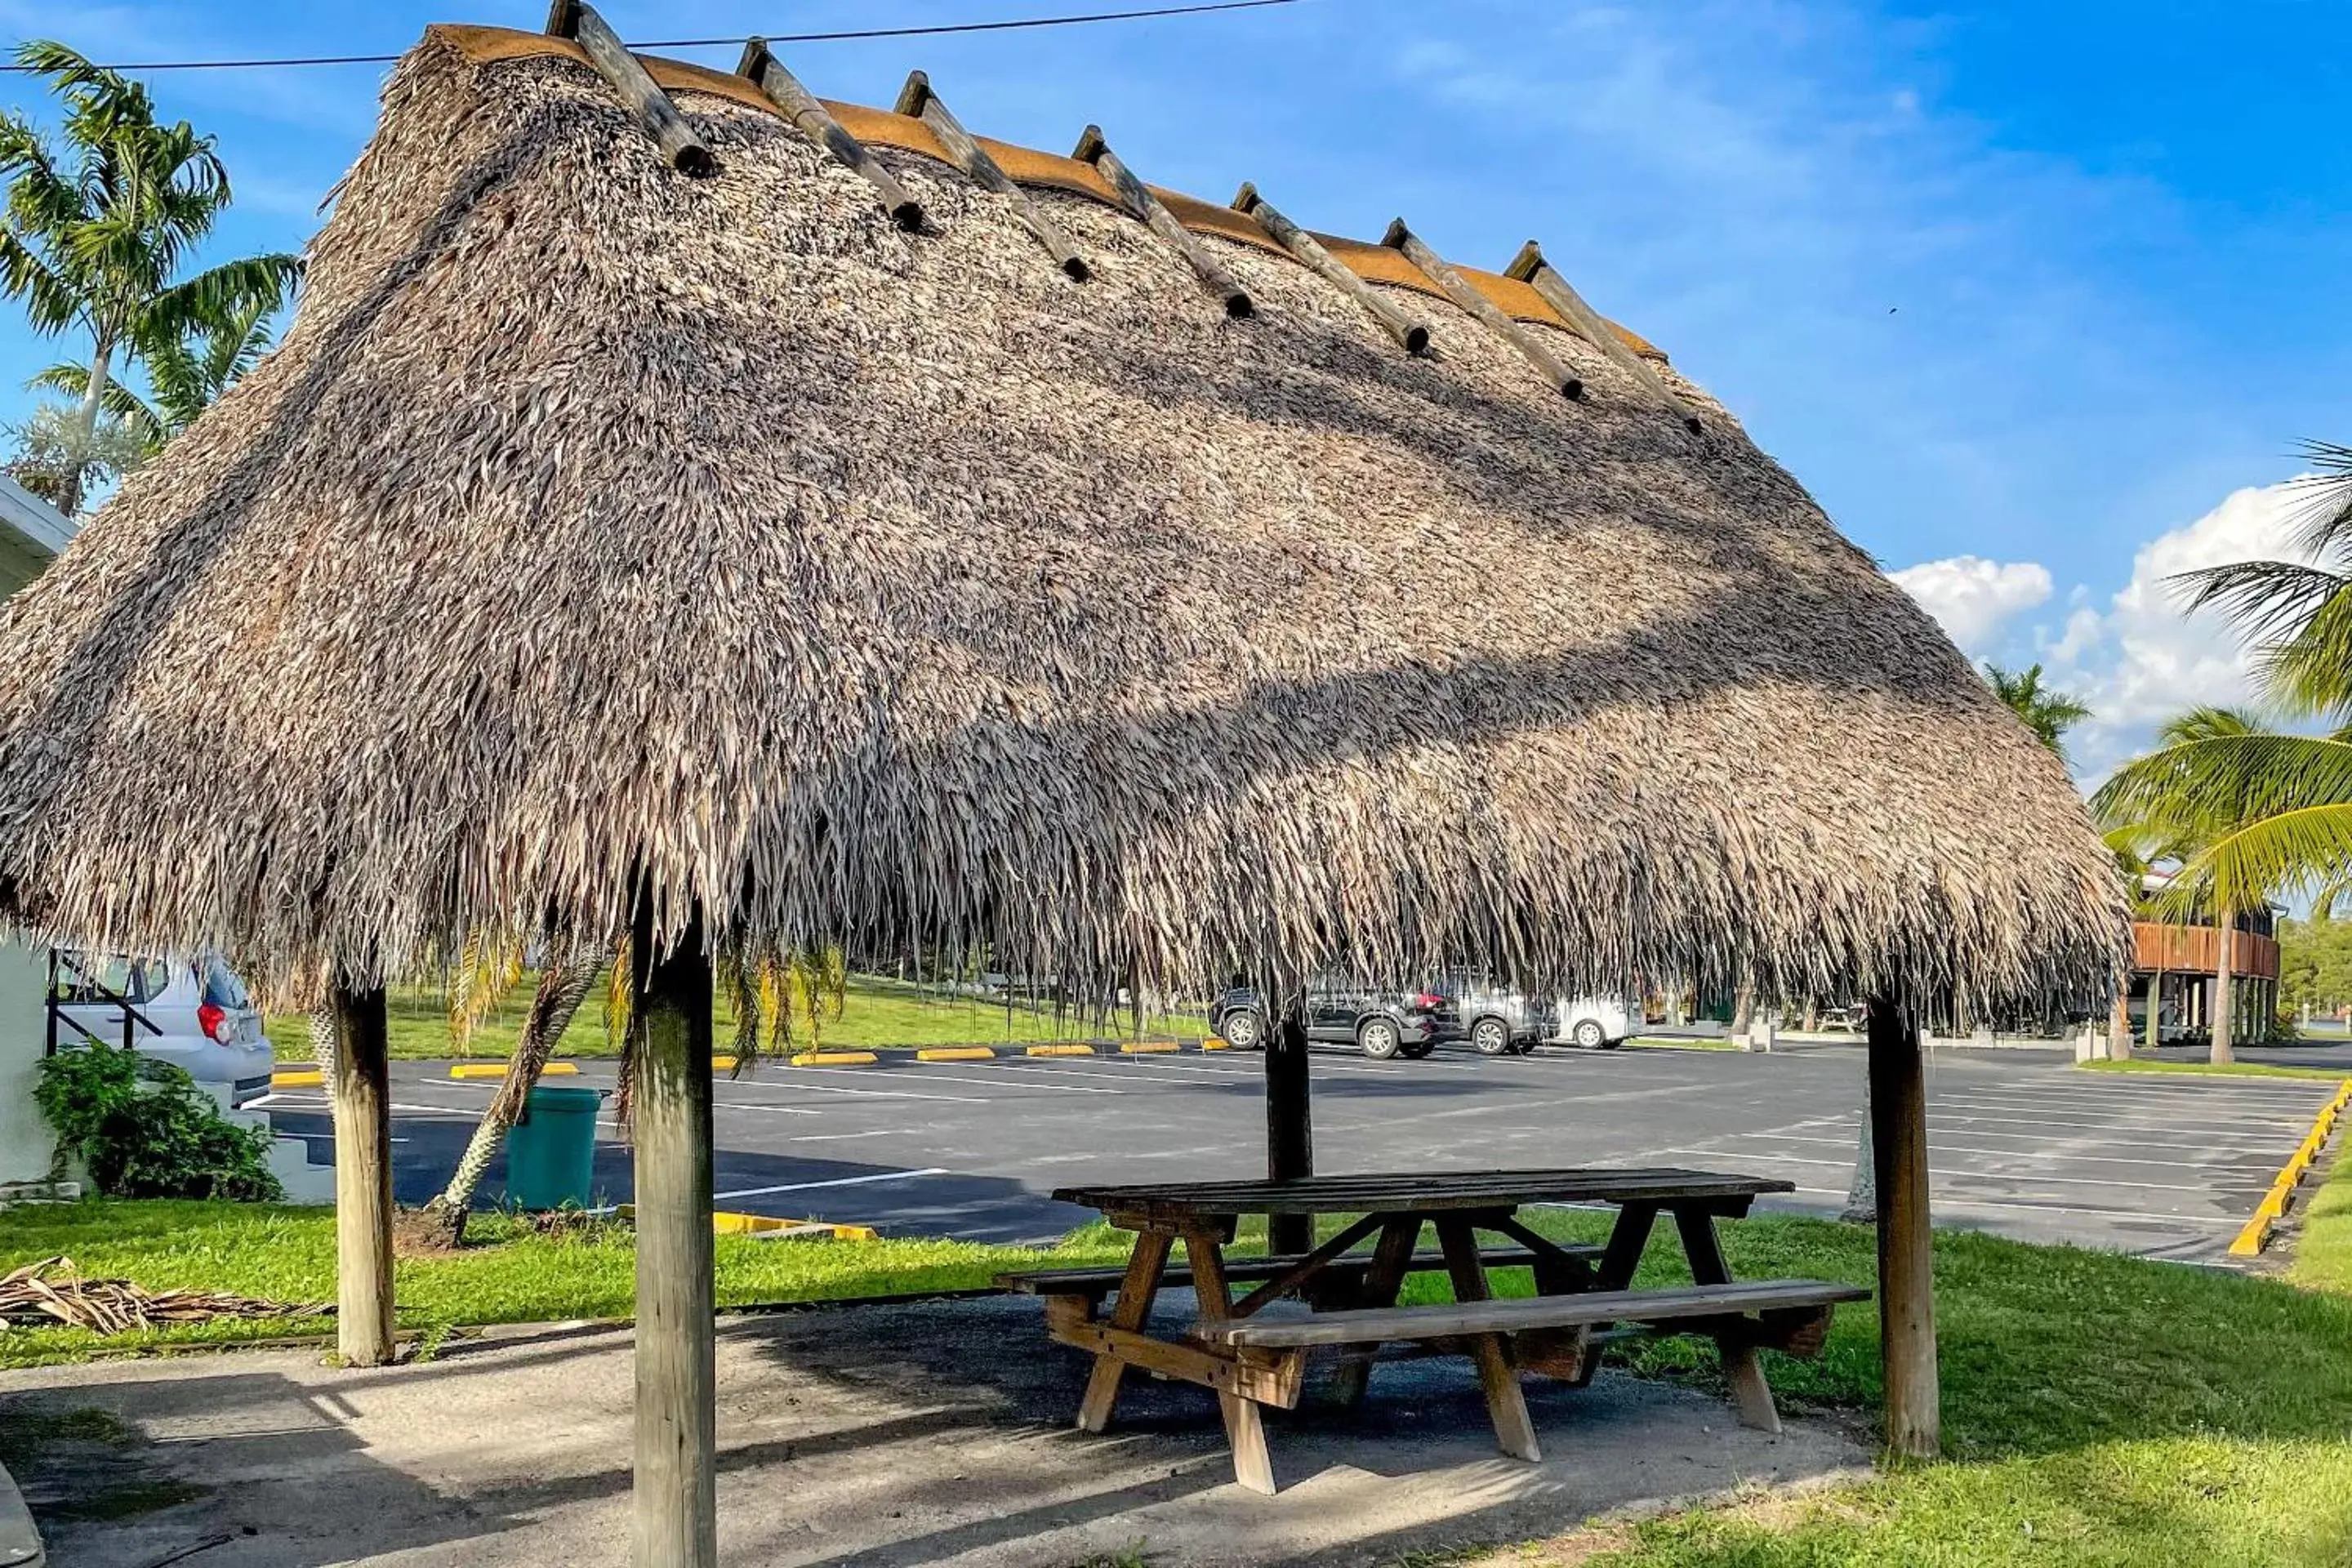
[(488, 967), (116, 400), (2284, 852)]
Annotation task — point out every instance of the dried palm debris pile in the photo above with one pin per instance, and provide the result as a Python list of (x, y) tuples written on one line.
[(52, 1291)]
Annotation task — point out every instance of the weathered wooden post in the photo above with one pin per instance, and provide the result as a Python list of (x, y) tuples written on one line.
[(1906, 1291), (1289, 1127), (676, 1511), (362, 1106)]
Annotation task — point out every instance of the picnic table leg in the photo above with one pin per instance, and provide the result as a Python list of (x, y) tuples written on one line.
[(1244, 1429), (1514, 1432), (1743, 1364), (1391, 1260), (1136, 1290), (1626, 1240)]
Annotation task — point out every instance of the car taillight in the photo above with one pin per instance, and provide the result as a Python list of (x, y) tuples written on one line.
[(213, 1022)]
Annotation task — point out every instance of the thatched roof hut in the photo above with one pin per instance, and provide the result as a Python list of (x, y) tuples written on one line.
[(878, 585)]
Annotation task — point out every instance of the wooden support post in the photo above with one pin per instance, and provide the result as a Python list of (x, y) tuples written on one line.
[(679, 143), (1907, 1301), (917, 101), (1507, 1405), (676, 1512), (1289, 1128), (784, 89), (1458, 288), (1136, 1292), (1138, 200), (1530, 268), (1411, 335), (362, 1096)]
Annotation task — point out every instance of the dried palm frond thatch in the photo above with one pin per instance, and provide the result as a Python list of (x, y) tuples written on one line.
[(870, 587)]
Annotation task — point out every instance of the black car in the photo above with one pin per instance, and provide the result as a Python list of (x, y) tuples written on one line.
[(1497, 1020), (1381, 1024)]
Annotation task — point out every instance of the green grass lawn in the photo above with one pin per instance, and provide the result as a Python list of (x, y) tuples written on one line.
[(877, 1013), (2233, 1069), (2323, 1257), (2098, 1409)]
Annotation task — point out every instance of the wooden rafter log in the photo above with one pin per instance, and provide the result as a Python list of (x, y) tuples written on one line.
[(918, 102), (1458, 288), (679, 144), (1411, 334), (1530, 268), (1138, 200), (784, 89)]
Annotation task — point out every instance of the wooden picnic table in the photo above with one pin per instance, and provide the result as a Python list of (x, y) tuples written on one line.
[(1580, 1292)]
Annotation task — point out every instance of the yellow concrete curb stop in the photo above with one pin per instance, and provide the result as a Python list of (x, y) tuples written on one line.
[(1214, 1043), (498, 1069), (311, 1077), (955, 1054), (2274, 1207), (835, 1059), (1061, 1051), (1146, 1047), (768, 1226)]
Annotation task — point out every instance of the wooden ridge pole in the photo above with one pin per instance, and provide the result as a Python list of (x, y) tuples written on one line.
[(1906, 1291), (1458, 288), (1289, 1127), (1411, 334), (1140, 201), (675, 1514), (917, 101), (685, 150), (784, 89), (1530, 268), (363, 1094)]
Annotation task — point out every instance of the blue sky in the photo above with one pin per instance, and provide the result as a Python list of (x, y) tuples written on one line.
[(2036, 299)]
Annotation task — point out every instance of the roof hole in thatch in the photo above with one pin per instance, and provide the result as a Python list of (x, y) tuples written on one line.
[(816, 122), (663, 123), (1137, 198), (918, 102), (1411, 334)]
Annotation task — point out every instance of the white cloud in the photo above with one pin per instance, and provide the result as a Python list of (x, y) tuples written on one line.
[(2144, 657), (1973, 598)]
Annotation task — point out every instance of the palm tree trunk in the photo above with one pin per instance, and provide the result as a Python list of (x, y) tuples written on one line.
[(1861, 1193), (322, 1041), (2221, 1054), (560, 991), (2156, 1010), (86, 427)]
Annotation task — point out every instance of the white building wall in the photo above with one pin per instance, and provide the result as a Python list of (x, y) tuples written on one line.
[(25, 1141)]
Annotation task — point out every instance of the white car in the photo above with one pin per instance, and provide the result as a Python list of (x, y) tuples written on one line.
[(193, 1013), (1596, 1022)]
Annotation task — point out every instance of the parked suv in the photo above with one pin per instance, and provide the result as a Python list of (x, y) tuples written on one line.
[(192, 1013), (1597, 1023), (1497, 1020), (1381, 1024)]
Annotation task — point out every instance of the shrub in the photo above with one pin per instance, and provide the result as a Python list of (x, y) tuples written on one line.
[(147, 1131)]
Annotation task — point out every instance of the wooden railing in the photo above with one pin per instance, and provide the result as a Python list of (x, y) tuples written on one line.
[(2175, 948)]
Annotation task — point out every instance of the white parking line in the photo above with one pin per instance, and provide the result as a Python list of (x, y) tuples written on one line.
[(739, 1085), (1935, 1148), (837, 1137), (1979, 1176), (836, 1182)]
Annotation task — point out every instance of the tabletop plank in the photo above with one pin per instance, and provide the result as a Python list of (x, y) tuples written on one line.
[(1425, 1192)]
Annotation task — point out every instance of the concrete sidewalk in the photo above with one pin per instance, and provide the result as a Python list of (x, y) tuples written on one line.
[(930, 1434)]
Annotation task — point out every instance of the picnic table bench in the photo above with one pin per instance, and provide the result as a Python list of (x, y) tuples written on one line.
[(1583, 1294)]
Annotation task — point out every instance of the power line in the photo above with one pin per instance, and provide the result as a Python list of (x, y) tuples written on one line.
[(933, 31)]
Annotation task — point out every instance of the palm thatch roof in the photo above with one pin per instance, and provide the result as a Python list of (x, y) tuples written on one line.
[(882, 586)]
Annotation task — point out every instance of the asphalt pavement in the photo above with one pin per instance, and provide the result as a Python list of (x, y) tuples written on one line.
[(2021, 1141)]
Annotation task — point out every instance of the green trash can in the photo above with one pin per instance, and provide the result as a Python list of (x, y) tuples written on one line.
[(552, 1152)]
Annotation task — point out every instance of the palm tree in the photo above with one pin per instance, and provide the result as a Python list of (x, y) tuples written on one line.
[(561, 989), (2258, 812), (185, 375), (92, 234), (2044, 709)]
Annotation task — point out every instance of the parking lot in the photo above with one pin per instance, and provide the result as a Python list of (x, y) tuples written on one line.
[(2022, 1142)]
